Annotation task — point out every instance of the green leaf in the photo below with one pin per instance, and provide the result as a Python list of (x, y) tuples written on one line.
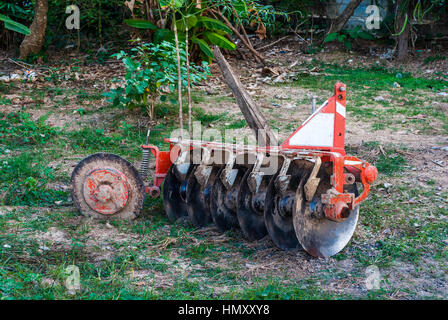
[(366, 35), (203, 46), (175, 4), (213, 24), (140, 24), (219, 40), (163, 34), (14, 26), (191, 22), (348, 45), (341, 37), (129, 64), (353, 33), (17, 27), (404, 26), (331, 37)]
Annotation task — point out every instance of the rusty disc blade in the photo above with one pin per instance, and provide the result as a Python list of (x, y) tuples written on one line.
[(250, 209), (174, 194), (319, 236), (198, 199), (279, 225), (223, 201)]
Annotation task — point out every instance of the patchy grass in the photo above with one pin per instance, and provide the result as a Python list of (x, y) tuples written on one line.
[(402, 228), (388, 98)]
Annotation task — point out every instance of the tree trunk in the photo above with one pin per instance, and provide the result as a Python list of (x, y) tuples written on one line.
[(33, 43), (403, 37), (250, 110), (338, 23)]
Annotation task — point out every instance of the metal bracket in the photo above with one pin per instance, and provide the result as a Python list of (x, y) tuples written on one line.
[(204, 170), (184, 151), (282, 180), (228, 175), (255, 177), (180, 163), (312, 183)]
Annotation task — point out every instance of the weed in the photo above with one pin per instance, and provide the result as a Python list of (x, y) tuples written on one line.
[(434, 58), (30, 178), (390, 163), (18, 130)]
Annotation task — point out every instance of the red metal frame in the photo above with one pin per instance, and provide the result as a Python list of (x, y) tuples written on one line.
[(336, 201), (163, 163), (335, 105)]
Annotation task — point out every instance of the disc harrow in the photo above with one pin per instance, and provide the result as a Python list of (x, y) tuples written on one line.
[(302, 194)]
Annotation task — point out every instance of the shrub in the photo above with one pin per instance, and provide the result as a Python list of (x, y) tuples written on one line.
[(151, 72)]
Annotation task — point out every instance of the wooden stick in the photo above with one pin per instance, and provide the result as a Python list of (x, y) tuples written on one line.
[(179, 83), (272, 43), (242, 27), (250, 110), (188, 81)]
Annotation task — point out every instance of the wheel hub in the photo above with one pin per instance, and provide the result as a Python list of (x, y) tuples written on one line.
[(106, 191)]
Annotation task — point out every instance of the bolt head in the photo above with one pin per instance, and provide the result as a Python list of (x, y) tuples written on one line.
[(370, 174), (103, 193)]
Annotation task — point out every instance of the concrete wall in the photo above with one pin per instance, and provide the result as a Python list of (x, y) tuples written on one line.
[(336, 7)]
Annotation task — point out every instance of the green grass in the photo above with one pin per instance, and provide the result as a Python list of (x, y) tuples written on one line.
[(151, 258), (18, 130), (377, 78), (208, 118), (365, 84), (237, 124)]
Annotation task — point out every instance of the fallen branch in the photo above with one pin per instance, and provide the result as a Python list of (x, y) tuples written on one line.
[(272, 43), (437, 163), (256, 54)]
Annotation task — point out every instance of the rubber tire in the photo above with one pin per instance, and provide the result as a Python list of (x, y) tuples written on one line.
[(136, 197)]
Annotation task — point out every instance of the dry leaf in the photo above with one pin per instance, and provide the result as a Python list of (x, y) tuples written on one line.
[(261, 31)]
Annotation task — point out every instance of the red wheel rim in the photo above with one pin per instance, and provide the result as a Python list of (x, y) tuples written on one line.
[(106, 191)]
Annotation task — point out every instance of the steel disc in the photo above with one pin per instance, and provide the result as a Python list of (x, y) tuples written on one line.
[(319, 236), (223, 201), (279, 208), (198, 198), (250, 209), (174, 192), (280, 227)]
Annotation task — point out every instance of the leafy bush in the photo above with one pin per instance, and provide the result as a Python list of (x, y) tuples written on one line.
[(151, 72), (203, 31), (347, 37), (255, 14), (13, 21)]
